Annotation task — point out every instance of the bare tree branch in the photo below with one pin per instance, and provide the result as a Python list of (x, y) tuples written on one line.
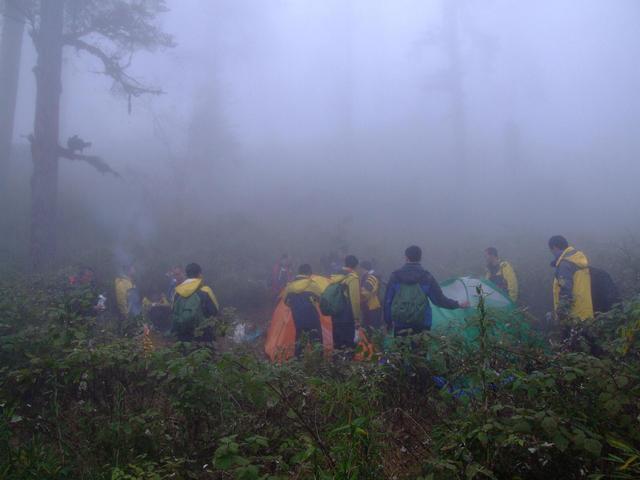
[(113, 68), (96, 162)]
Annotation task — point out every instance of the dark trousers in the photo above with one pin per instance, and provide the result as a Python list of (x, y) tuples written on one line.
[(343, 334), (304, 335), (306, 319), (372, 319)]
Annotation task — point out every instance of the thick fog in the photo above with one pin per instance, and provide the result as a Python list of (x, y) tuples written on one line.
[(364, 124)]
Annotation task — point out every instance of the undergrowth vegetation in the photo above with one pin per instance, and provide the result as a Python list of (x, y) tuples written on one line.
[(85, 397)]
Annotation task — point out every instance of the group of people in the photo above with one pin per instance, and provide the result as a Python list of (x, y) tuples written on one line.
[(405, 306), (353, 295), (352, 298), (191, 301)]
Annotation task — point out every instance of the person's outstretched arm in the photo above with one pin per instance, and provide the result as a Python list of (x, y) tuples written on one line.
[(435, 294)]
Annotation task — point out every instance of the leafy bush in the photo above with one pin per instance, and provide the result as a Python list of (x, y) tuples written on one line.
[(81, 401)]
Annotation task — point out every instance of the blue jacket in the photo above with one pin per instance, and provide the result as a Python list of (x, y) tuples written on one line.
[(409, 274)]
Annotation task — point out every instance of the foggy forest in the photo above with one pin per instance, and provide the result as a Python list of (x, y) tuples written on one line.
[(350, 239)]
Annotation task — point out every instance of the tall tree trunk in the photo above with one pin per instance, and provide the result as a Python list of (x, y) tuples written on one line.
[(10, 51), (44, 146)]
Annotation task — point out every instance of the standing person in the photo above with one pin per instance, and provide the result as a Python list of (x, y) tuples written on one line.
[(501, 273), (281, 275), (369, 294), (127, 295), (571, 282), (302, 297), (406, 305), (348, 316), (193, 303)]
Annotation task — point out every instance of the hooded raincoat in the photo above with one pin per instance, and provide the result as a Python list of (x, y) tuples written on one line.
[(572, 285)]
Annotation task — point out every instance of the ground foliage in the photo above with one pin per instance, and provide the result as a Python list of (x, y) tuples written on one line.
[(85, 397)]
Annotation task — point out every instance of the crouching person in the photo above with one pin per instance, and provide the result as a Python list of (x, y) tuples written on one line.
[(302, 297), (193, 303)]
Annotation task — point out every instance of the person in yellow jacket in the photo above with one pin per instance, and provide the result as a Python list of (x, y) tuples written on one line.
[(345, 324), (369, 294), (572, 281), (302, 296), (193, 302), (501, 273), (127, 295)]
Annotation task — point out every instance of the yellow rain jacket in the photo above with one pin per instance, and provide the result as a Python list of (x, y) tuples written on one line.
[(122, 286), (193, 285), (572, 284), (370, 291), (351, 279), (506, 272), (314, 284)]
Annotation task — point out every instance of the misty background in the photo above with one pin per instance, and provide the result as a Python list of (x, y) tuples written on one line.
[(313, 126)]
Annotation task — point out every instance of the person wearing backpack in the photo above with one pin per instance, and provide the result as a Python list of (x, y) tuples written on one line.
[(302, 297), (341, 300), (571, 282), (193, 303), (407, 308)]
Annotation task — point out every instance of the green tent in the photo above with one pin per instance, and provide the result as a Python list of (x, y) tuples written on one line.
[(503, 317)]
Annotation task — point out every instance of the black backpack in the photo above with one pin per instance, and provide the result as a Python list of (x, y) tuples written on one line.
[(604, 292)]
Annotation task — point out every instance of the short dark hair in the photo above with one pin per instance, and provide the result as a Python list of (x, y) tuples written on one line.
[(350, 261), (193, 270), (367, 265), (493, 251), (413, 253), (558, 241), (305, 269)]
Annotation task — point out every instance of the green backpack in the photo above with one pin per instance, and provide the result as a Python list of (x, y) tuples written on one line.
[(187, 315), (333, 300), (409, 305)]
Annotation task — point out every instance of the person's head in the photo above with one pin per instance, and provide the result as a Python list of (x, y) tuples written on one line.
[(350, 261), (491, 254), (558, 244), (367, 265), (413, 254), (193, 270), (305, 269)]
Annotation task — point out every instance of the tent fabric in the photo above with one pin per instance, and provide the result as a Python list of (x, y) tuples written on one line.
[(504, 316), (280, 345)]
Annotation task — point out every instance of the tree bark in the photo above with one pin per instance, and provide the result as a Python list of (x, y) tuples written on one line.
[(10, 52), (44, 144)]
